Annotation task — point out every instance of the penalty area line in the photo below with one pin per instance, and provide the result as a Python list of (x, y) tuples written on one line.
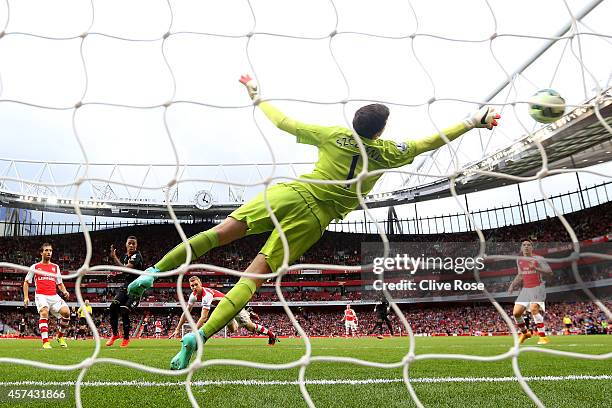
[(138, 383)]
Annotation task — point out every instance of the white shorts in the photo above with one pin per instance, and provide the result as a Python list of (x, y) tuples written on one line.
[(53, 303), (158, 330), (243, 318), (350, 324), (527, 296)]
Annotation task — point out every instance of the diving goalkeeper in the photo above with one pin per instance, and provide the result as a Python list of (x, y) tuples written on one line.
[(304, 210)]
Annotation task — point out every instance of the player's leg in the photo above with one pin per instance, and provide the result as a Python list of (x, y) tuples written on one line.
[(347, 328), (389, 325), (64, 314), (114, 319), (538, 318), (237, 298), (256, 328), (232, 326), (377, 327), (224, 313), (519, 309), (226, 232), (43, 326), (302, 230), (84, 329), (42, 306), (127, 326)]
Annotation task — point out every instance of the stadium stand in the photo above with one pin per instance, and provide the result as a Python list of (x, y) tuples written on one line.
[(314, 290)]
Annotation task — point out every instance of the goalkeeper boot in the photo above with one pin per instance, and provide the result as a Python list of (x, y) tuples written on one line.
[(47, 345), (523, 337), (543, 340), (142, 283), (62, 342), (188, 346)]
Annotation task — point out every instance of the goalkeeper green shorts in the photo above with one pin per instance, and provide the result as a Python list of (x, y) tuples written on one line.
[(302, 218)]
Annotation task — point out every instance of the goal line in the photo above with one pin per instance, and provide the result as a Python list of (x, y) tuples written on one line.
[(366, 381)]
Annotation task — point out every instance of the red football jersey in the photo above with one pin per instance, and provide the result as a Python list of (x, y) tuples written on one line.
[(45, 285), (531, 277), (349, 315), (205, 298)]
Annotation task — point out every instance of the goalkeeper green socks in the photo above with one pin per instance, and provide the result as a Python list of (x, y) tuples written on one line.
[(233, 302), (200, 244)]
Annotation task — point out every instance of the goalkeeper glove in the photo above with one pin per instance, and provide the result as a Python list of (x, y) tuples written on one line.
[(484, 117), (251, 87)]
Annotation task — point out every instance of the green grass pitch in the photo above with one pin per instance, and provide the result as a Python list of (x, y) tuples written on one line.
[(277, 388)]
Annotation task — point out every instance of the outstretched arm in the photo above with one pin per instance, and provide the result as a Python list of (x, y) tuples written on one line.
[(203, 318), (278, 118), (180, 323), (305, 133), (485, 117)]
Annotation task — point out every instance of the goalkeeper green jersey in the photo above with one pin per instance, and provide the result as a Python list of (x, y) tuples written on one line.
[(340, 159)]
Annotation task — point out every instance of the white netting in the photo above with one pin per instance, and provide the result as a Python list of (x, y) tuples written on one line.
[(573, 37)]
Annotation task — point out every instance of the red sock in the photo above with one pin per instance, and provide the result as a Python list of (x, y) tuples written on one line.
[(541, 332), (43, 326), (261, 329), (62, 326)]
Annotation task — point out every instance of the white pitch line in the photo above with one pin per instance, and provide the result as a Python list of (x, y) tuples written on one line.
[(308, 382)]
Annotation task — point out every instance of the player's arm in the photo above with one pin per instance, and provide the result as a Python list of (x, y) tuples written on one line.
[(203, 317), (517, 280), (181, 322), (60, 283), (62, 289), (543, 267), (113, 255), (484, 117), (305, 133), (400, 154), (26, 293)]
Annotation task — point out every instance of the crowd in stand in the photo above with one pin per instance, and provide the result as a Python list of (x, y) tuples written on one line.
[(445, 319), (560, 277), (298, 294), (333, 248)]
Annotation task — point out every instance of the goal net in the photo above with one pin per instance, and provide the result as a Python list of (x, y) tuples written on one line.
[(110, 85)]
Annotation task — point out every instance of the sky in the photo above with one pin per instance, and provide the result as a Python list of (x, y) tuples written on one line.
[(119, 74)]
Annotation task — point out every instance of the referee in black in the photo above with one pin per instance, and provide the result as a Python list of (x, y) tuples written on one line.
[(382, 315), (122, 304)]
